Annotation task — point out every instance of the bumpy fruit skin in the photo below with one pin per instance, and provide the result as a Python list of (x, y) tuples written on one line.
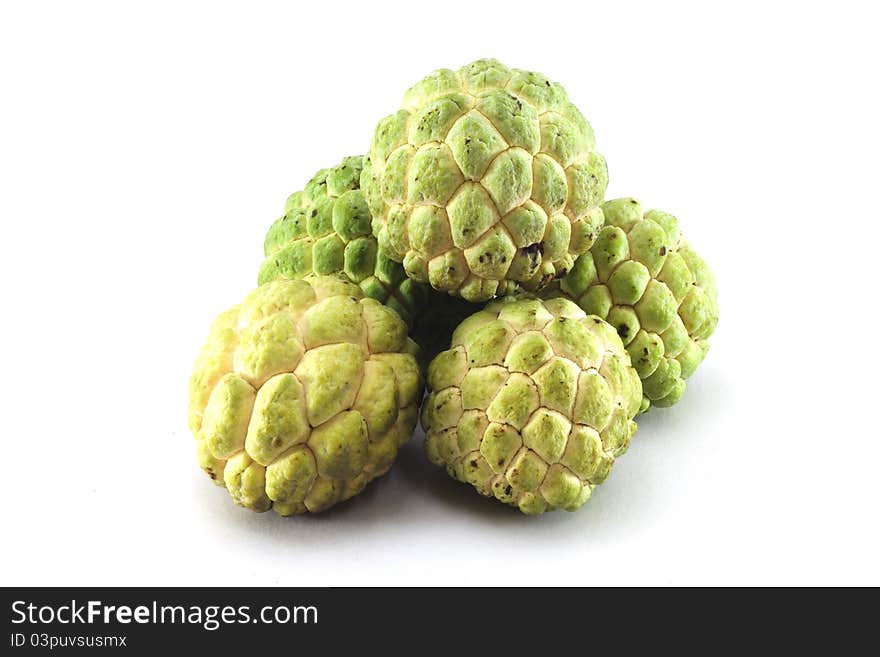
[(647, 282), (531, 404), (303, 394), (486, 180), (327, 229)]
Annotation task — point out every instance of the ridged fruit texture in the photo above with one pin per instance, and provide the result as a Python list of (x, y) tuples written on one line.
[(660, 296), (485, 180), (532, 403), (326, 229), (303, 394)]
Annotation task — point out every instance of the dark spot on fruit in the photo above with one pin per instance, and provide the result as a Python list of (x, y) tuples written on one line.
[(500, 461), (508, 490), (473, 464), (314, 213), (623, 330), (663, 250), (532, 251), (596, 320)]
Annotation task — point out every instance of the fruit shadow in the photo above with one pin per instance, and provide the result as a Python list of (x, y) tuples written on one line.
[(412, 493), (625, 500), (432, 483), (416, 492), (367, 508)]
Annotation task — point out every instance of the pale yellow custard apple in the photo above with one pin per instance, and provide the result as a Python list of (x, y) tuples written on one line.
[(531, 404), (303, 394)]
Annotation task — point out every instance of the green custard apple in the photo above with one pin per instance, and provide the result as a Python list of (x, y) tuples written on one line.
[(532, 403), (303, 394), (646, 280), (326, 229), (486, 180)]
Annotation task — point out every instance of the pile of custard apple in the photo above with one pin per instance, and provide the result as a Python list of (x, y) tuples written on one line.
[(470, 249)]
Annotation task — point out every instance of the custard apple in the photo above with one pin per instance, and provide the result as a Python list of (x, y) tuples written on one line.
[(303, 394), (532, 403), (645, 279), (486, 180), (326, 229)]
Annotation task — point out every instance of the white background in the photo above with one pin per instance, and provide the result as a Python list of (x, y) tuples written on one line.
[(146, 147)]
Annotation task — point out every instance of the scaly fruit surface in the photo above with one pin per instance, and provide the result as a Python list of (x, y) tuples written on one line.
[(532, 403), (302, 394), (326, 229), (485, 180), (647, 282)]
